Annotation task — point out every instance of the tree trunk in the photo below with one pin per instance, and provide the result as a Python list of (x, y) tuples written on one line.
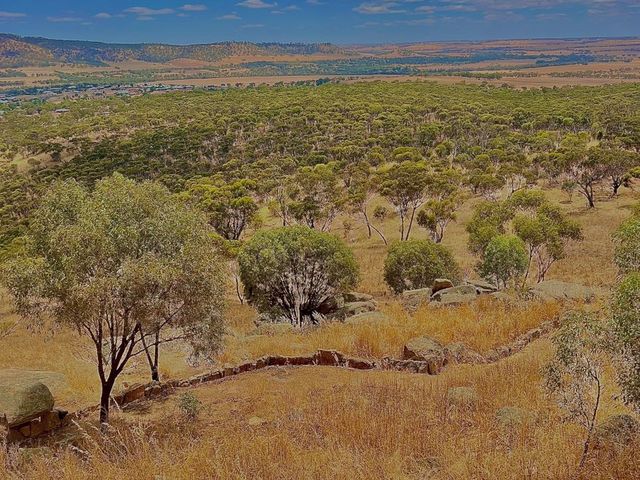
[(592, 423), (105, 397), (413, 214), (366, 220)]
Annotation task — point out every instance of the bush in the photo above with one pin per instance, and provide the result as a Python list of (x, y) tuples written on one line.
[(417, 263), (505, 259), (290, 271), (627, 253), (626, 333), (189, 406)]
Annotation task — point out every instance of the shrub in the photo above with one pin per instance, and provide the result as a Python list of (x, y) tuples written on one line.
[(417, 263), (189, 406), (627, 253), (290, 271), (626, 333), (505, 259)]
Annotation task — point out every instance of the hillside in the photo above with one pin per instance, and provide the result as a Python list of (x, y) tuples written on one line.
[(34, 51)]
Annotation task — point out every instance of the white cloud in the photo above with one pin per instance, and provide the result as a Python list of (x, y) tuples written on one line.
[(149, 12), (64, 19), (7, 15), (193, 7), (256, 4), (230, 16), (379, 8)]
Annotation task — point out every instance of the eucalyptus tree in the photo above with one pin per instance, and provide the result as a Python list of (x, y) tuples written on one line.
[(404, 185), (230, 207), (128, 265), (289, 272)]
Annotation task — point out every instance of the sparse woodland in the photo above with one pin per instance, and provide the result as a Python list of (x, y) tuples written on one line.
[(161, 236)]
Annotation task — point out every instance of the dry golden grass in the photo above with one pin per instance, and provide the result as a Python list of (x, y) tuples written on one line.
[(321, 422), (334, 423), (483, 325)]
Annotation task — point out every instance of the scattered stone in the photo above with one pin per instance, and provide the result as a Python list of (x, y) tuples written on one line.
[(331, 305), (276, 361), (462, 397), (618, 429), (357, 297), (482, 286), (459, 353), (510, 417), (414, 299), (502, 297), (256, 421), (423, 349), (329, 358), (301, 360), (360, 364), (356, 308), (428, 351), (455, 295), (551, 290), (441, 284), (414, 366)]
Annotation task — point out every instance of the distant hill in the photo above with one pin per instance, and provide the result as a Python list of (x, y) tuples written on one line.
[(18, 51)]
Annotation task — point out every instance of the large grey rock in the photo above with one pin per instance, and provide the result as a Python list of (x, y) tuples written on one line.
[(618, 429), (355, 308), (455, 295), (459, 353), (414, 299), (441, 284), (425, 349), (482, 286), (23, 401), (357, 297), (331, 305), (550, 290)]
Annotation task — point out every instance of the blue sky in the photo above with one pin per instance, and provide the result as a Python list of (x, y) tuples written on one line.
[(336, 21)]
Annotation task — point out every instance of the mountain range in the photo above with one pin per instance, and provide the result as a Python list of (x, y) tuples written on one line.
[(18, 51)]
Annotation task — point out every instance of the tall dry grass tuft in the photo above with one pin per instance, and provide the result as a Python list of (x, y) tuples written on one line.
[(321, 423), (482, 325)]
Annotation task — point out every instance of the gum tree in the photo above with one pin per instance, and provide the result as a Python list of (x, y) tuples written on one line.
[(290, 272), (128, 265)]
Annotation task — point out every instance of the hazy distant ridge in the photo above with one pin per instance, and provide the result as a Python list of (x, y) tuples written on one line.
[(18, 51)]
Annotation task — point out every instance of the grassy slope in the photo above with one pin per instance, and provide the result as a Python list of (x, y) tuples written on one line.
[(324, 423)]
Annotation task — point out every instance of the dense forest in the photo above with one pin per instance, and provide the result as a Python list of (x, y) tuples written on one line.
[(487, 137)]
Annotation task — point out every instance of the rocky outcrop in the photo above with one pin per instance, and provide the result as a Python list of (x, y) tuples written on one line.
[(357, 297), (427, 350), (356, 308), (482, 286), (414, 299), (455, 295), (441, 284), (27, 404), (459, 353)]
